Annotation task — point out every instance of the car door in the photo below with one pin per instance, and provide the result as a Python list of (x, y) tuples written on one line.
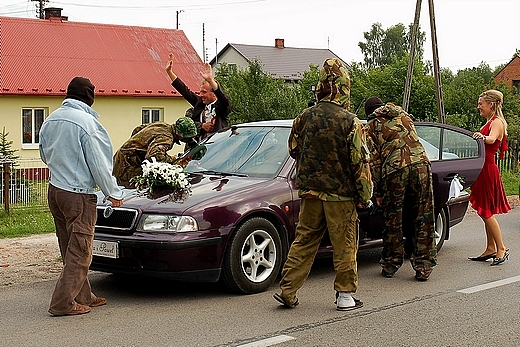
[(452, 151)]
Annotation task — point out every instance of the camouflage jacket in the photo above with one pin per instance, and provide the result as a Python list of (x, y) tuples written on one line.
[(393, 143), (328, 143), (147, 141)]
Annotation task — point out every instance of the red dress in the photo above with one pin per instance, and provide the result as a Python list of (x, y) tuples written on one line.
[(487, 192)]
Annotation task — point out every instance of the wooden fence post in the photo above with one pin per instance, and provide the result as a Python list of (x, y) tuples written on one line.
[(7, 166)]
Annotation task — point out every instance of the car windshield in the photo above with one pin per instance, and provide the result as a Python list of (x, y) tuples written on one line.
[(244, 151)]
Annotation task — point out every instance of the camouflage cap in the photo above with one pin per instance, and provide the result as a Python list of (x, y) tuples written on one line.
[(334, 84), (185, 127)]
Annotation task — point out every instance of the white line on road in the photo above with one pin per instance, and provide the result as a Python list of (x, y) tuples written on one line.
[(490, 285), (269, 342)]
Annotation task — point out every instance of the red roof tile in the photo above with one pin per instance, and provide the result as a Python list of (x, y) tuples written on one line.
[(40, 57)]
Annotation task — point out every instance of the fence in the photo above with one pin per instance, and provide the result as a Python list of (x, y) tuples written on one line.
[(510, 161), (28, 179), (27, 184)]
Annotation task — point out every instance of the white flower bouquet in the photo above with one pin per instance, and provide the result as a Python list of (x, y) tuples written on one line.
[(165, 177)]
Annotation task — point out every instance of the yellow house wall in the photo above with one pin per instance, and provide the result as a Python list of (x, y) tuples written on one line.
[(119, 115)]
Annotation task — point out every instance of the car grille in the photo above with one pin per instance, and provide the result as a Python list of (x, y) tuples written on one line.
[(121, 218)]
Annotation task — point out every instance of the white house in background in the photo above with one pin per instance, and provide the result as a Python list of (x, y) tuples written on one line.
[(279, 61)]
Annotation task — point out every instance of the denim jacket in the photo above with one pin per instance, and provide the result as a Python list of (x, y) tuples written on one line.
[(77, 150)]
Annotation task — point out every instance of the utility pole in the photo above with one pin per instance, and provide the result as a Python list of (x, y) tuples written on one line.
[(411, 61), (40, 7), (177, 16), (203, 44), (216, 51), (436, 68)]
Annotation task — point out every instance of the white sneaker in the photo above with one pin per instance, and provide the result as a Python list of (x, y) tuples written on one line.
[(344, 301)]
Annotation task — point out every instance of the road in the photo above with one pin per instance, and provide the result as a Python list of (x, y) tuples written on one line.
[(448, 310)]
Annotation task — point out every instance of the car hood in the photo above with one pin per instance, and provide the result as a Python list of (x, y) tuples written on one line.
[(204, 188)]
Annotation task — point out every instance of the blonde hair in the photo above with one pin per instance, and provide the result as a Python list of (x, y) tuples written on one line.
[(496, 99)]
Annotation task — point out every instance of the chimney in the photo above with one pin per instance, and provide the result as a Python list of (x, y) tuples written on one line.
[(278, 43), (53, 13)]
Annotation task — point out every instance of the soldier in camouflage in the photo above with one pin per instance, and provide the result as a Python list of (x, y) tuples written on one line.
[(151, 140), (333, 177), (401, 172)]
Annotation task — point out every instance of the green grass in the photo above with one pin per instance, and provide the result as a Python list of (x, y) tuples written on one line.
[(511, 182), (25, 222)]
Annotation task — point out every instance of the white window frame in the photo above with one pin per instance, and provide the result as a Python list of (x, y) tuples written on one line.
[(33, 130), (155, 114)]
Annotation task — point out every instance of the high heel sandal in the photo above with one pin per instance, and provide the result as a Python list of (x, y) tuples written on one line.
[(483, 257), (498, 261)]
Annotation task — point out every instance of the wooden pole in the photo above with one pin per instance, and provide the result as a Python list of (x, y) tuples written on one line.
[(411, 61), (436, 68), (7, 166)]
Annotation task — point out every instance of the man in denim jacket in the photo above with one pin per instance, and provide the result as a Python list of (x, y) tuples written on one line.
[(78, 152)]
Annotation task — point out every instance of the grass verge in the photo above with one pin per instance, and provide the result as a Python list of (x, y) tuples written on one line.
[(25, 222)]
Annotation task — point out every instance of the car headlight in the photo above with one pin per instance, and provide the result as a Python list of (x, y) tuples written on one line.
[(165, 223)]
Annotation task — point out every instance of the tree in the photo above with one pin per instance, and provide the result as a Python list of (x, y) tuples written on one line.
[(381, 46), (6, 151), (257, 96)]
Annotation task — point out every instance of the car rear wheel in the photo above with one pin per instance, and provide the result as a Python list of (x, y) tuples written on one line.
[(441, 229), (253, 258)]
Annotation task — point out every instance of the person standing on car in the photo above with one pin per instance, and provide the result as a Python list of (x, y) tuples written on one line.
[(402, 176), (487, 192), (332, 175), (77, 150), (211, 108), (151, 140)]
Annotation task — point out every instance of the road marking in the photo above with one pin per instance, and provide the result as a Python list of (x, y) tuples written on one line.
[(269, 342), (490, 285)]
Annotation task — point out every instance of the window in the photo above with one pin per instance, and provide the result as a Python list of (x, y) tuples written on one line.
[(446, 144), (516, 84), (32, 119), (150, 115)]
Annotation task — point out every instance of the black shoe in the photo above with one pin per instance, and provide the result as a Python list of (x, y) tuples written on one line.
[(422, 275), (387, 274), (483, 257), (498, 261), (282, 301)]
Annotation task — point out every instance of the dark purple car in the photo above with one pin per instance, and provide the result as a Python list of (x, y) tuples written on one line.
[(239, 222)]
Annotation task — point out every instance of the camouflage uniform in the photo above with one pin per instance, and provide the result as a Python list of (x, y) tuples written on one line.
[(332, 175), (147, 141), (402, 177)]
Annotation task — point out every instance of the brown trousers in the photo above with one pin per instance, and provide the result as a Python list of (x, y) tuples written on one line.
[(74, 217), (340, 218)]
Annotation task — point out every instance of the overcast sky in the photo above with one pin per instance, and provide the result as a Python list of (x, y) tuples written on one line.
[(468, 31)]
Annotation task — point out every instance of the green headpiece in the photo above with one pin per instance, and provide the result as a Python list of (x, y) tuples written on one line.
[(185, 127), (334, 84)]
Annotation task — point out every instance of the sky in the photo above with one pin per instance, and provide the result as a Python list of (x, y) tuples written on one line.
[(468, 31)]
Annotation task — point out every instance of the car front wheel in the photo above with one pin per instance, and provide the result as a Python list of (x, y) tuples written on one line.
[(253, 258)]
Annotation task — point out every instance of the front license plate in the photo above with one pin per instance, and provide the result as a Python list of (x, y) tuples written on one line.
[(105, 249)]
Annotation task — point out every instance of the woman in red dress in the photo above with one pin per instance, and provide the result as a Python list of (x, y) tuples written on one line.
[(487, 192)]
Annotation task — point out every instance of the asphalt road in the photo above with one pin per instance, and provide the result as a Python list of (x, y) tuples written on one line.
[(451, 309)]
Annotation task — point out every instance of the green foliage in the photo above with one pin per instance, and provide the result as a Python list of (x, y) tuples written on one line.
[(387, 83), (257, 96), (382, 46), (25, 222), (6, 151), (511, 182)]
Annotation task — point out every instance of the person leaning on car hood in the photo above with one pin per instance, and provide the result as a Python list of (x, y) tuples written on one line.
[(151, 140)]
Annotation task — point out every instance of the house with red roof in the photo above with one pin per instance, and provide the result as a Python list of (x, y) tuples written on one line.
[(39, 57), (510, 73)]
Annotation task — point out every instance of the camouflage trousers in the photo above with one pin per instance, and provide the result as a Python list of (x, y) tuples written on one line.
[(316, 216), (408, 212)]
